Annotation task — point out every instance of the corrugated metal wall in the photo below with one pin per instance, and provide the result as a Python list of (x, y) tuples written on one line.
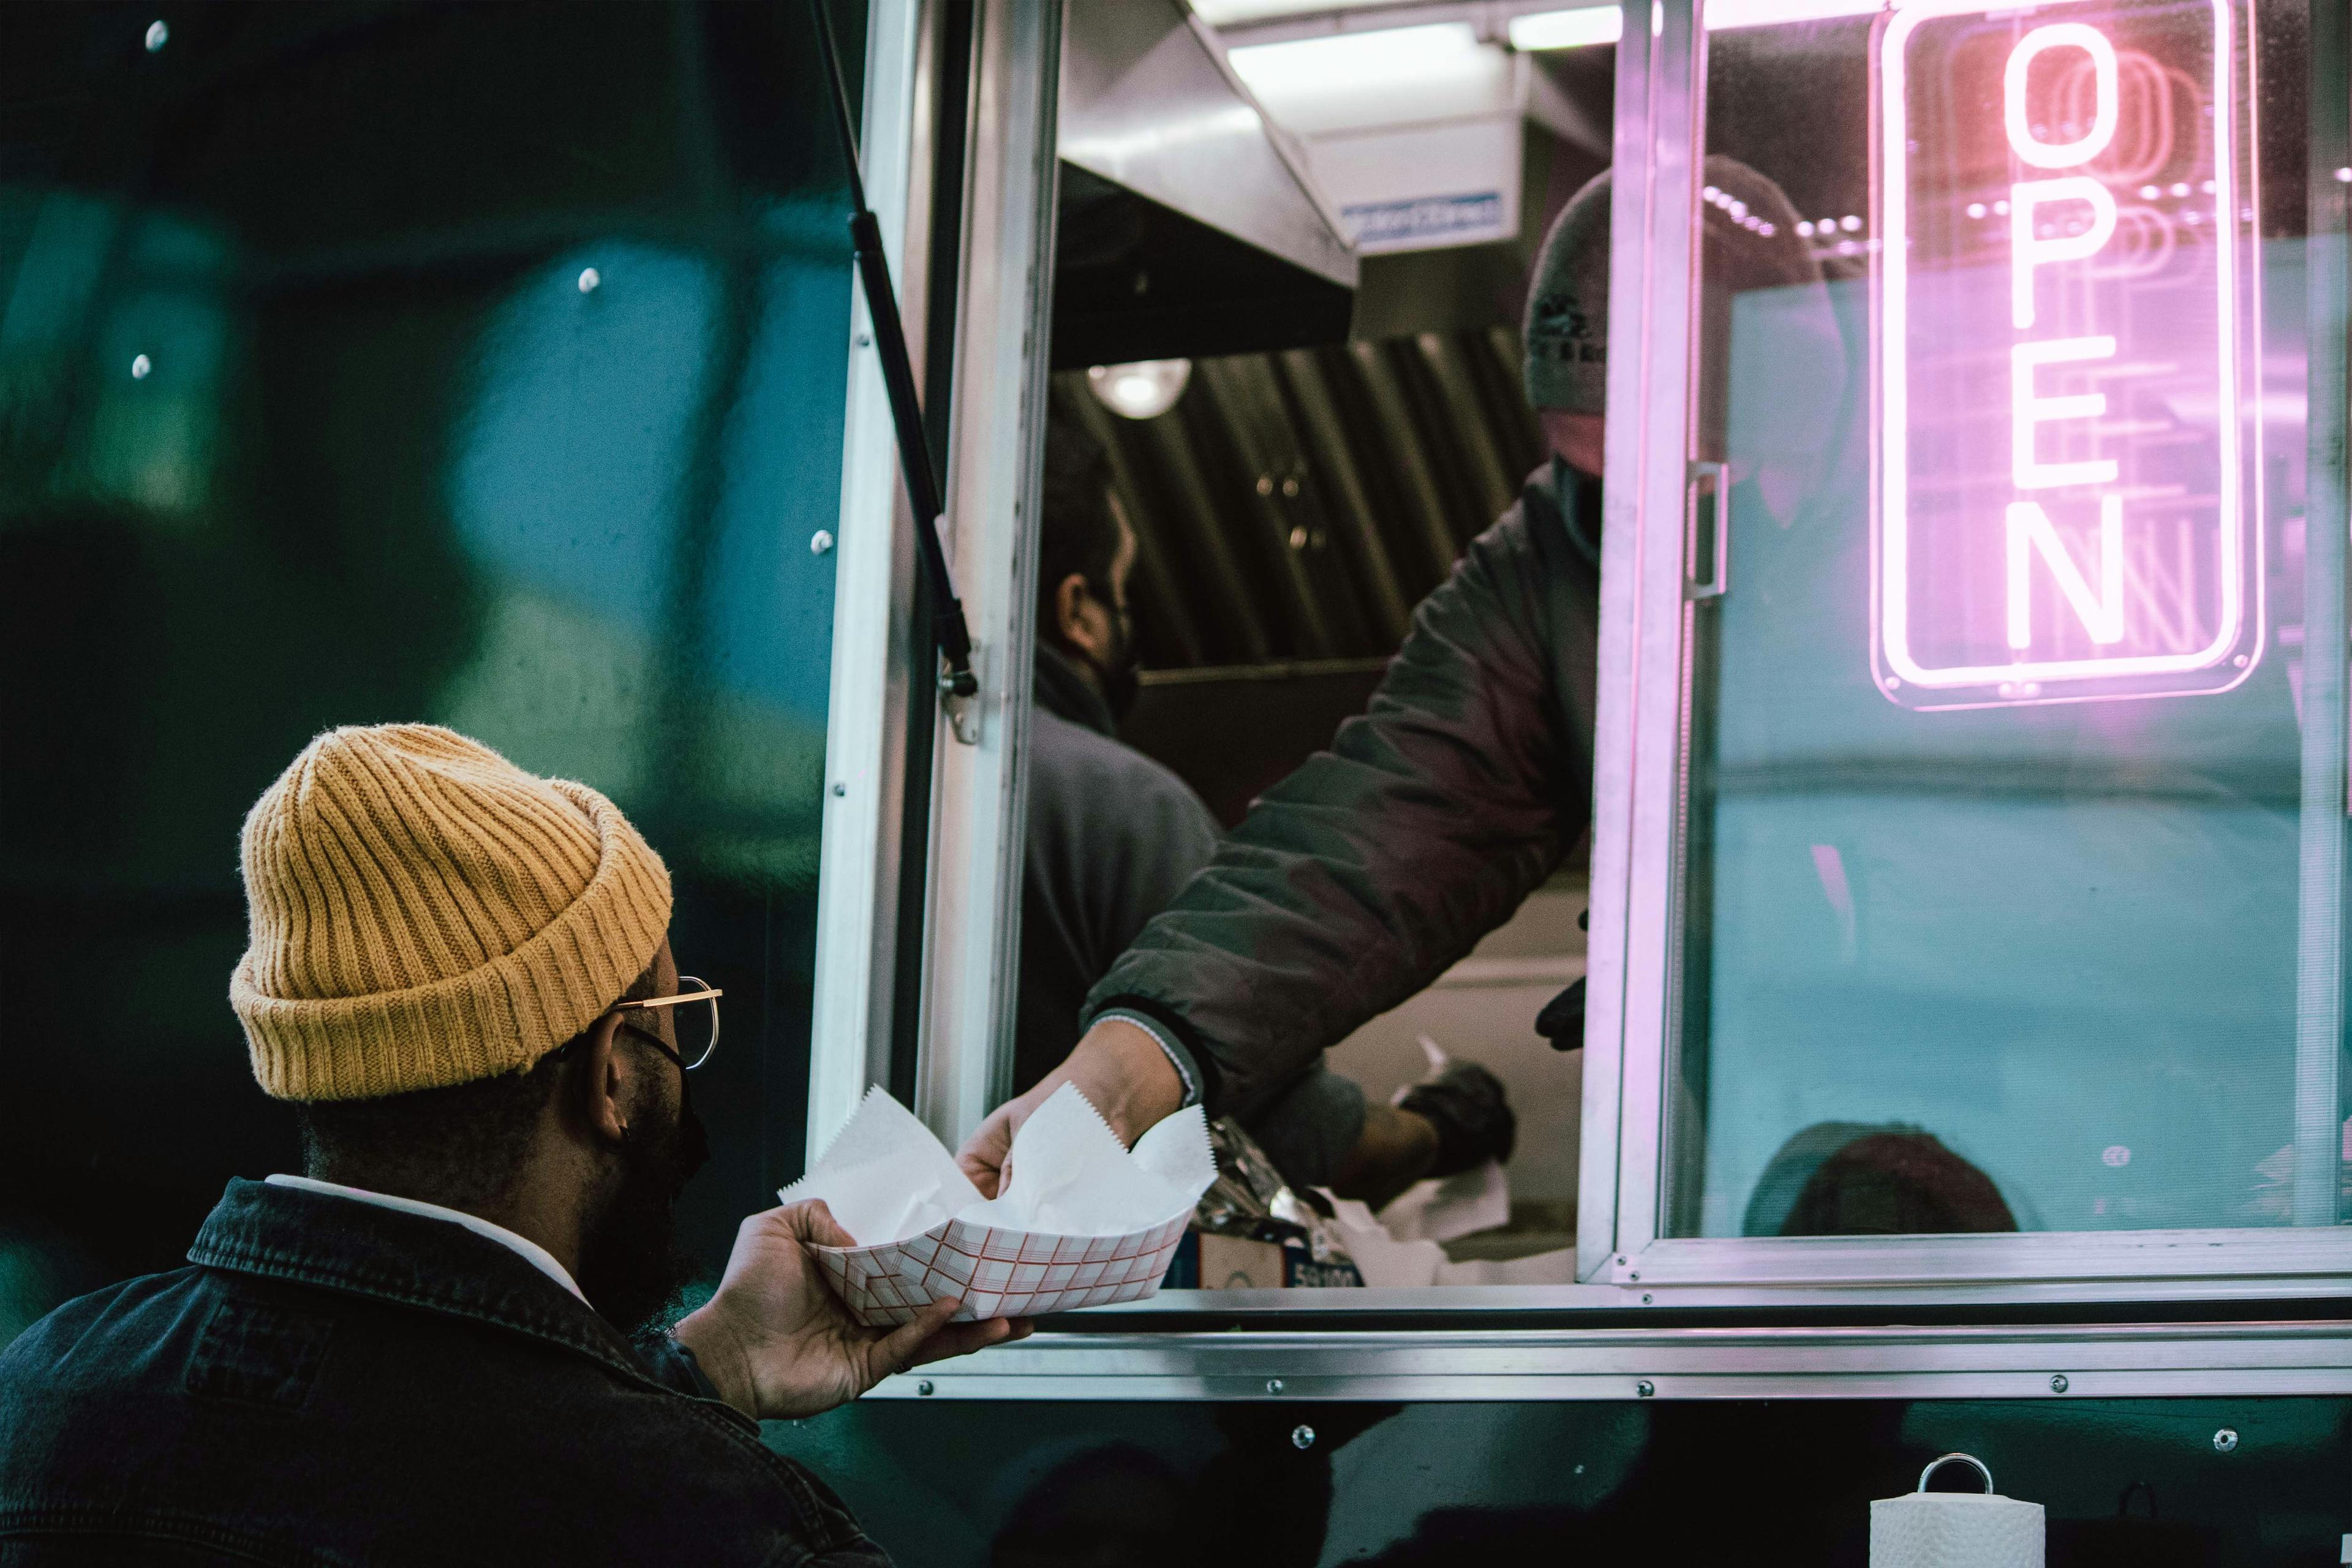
[(1296, 506)]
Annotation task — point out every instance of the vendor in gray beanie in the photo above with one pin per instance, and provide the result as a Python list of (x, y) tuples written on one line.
[(1749, 241), (1363, 875)]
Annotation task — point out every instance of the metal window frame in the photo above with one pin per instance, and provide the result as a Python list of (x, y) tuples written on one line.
[(1490, 1342), (972, 882), (996, 449), (868, 713), (1631, 1038)]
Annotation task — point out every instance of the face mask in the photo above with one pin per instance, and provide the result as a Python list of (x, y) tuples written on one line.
[(631, 1266)]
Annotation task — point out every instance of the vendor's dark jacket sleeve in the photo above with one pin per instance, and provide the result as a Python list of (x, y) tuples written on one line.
[(336, 1382), (1358, 880)]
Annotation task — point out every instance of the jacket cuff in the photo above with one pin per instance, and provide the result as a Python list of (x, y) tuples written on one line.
[(1174, 1040), (677, 1369)]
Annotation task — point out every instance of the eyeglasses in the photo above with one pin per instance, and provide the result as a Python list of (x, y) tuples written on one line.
[(694, 1018)]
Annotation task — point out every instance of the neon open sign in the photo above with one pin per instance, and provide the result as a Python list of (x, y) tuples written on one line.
[(2065, 504)]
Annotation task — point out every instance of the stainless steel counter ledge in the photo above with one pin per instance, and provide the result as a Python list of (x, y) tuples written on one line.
[(2009, 1361)]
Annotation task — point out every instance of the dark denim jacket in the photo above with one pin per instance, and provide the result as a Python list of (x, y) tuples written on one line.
[(339, 1384)]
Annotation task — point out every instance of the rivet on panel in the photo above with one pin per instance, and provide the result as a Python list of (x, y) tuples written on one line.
[(140, 365), (1302, 1436), (2058, 1384), (840, 789), (2225, 1440), (821, 541), (158, 34), (1645, 1388), (590, 279), (924, 1388), (1273, 1385)]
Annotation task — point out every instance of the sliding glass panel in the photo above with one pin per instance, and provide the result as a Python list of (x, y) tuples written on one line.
[(2004, 906)]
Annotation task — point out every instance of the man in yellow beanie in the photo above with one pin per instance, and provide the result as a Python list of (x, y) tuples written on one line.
[(461, 975)]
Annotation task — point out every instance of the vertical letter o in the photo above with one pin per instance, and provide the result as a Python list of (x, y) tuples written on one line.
[(2061, 155)]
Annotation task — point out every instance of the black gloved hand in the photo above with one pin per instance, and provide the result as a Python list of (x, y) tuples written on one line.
[(1562, 1019), (1466, 1104)]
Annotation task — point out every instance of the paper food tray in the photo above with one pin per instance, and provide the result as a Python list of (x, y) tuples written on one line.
[(999, 1273), (1082, 1221)]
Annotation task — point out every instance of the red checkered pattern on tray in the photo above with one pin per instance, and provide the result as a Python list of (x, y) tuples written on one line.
[(998, 1273)]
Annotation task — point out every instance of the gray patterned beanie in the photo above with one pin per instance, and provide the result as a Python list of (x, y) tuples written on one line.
[(1568, 307), (1749, 234)]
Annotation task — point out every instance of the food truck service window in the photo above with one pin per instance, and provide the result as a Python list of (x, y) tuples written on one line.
[(2004, 828), (1969, 794)]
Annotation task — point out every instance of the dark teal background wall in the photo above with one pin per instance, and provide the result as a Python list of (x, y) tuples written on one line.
[(307, 419)]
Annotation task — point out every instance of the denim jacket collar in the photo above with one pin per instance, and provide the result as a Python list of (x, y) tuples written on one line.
[(411, 1260)]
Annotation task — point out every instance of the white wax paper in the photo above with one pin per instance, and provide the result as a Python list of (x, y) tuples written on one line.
[(1081, 1220)]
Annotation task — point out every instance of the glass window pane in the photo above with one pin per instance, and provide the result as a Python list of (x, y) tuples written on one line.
[(1997, 873)]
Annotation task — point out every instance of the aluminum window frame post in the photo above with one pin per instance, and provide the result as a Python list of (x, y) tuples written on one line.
[(874, 658), (1637, 773), (1641, 787), (996, 449), (2319, 945)]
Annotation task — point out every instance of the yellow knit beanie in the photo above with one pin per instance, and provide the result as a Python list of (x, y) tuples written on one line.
[(425, 913)]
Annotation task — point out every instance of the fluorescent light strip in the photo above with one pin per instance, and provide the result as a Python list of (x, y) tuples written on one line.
[(1566, 29), (1354, 61), (1585, 25), (1722, 16)]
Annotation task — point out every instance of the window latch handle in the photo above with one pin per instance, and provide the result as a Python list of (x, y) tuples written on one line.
[(1719, 583)]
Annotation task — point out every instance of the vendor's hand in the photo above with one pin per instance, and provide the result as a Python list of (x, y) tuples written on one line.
[(777, 1343), (1122, 1072)]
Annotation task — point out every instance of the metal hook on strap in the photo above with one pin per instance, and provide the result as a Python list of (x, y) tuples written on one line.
[(1935, 1465)]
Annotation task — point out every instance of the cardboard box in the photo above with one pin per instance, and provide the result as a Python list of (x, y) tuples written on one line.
[(1204, 1262)]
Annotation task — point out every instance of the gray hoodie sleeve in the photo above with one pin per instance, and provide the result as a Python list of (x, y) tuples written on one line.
[(1363, 876)]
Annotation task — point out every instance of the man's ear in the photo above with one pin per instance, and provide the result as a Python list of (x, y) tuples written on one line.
[(1069, 608), (600, 1090)]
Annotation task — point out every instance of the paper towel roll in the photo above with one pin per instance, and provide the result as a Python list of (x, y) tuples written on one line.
[(1955, 1529)]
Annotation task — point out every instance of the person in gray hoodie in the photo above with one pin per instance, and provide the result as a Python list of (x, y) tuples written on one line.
[(1114, 836)]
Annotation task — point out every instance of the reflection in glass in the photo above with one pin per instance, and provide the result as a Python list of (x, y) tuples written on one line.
[(2000, 949)]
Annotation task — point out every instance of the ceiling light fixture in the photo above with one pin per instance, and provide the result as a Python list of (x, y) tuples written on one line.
[(1142, 389)]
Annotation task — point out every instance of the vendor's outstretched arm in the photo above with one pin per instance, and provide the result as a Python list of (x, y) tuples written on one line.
[(1363, 876)]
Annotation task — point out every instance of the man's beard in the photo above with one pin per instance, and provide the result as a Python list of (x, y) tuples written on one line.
[(631, 1265), (1120, 674)]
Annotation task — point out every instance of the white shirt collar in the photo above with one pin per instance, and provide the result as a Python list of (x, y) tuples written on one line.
[(537, 1257)]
